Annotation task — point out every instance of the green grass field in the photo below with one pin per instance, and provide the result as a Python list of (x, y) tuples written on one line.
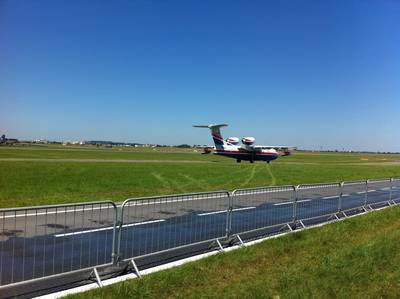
[(355, 258), (35, 175)]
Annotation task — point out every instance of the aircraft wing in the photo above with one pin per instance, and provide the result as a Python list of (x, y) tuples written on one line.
[(283, 150), (276, 147)]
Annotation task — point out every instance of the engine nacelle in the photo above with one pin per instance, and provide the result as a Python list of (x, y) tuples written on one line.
[(248, 140), (233, 140)]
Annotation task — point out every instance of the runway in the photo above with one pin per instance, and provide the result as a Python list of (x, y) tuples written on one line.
[(44, 241)]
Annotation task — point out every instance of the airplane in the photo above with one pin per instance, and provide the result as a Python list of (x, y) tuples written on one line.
[(247, 151)]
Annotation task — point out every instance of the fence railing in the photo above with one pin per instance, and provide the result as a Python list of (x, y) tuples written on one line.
[(42, 241), (317, 200), (253, 209), (155, 224)]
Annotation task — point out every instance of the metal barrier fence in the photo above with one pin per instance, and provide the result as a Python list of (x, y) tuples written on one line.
[(42, 241), (395, 187), (155, 224), (256, 208), (317, 200), (354, 195), (383, 189)]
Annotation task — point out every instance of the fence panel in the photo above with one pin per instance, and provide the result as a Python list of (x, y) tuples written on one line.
[(40, 241), (317, 200), (396, 190), (261, 207), (155, 224), (379, 190), (354, 195)]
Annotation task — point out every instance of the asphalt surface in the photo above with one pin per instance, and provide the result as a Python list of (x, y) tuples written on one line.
[(38, 242)]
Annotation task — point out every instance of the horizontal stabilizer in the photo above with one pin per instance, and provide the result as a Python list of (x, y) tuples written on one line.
[(211, 126)]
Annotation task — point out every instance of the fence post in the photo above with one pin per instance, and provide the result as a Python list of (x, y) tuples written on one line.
[(228, 228), (340, 197), (116, 247), (391, 187), (296, 196)]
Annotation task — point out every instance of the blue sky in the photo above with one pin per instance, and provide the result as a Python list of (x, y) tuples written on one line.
[(306, 73)]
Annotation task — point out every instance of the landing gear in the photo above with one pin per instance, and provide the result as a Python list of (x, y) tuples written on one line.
[(268, 162), (251, 161), (238, 160)]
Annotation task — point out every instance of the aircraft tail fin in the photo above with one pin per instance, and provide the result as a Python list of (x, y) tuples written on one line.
[(215, 133)]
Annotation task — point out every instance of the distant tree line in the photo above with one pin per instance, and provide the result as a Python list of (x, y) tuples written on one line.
[(183, 146)]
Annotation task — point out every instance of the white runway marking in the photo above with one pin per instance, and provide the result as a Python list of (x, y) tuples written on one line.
[(283, 203), (329, 197), (211, 213), (224, 211), (107, 228), (362, 192), (290, 202)]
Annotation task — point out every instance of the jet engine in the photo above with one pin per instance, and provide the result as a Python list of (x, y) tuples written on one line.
[(233, 140), (248, 140)]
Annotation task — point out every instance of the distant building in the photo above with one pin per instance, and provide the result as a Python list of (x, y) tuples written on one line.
[(5, 140), (41, 141)]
